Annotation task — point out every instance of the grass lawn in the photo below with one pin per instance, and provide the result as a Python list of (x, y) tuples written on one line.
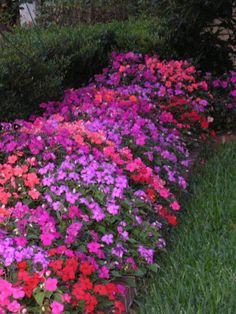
[(198, 268)]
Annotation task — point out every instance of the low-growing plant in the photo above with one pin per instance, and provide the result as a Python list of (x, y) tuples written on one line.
[(89, 188)]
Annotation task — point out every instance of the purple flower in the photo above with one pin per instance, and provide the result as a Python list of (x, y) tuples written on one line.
[(146, 253), (71, 197), (118, 250), (113, 209), (161, 243), (108, 238)]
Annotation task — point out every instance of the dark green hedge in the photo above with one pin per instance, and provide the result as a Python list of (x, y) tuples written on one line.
[(36, 65), (74, 12)]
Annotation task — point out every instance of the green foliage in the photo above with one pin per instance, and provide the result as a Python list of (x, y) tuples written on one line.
[(9, 12), (36, 65), (189, 31), (73, 12)]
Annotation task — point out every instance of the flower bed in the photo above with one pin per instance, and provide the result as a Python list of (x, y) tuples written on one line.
[(88, 189)]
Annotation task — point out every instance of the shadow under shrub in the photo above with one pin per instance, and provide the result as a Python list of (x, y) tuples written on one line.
[(36, 65)]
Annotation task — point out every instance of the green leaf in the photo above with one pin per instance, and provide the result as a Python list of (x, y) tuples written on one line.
[(57, 296), (153, 267), (115, 273), (101, 229), (130, 281), (39, 298), (140, 272)]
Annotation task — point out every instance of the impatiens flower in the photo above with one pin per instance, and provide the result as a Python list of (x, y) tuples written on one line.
[(161, 244), (108, 238), (34, 194), (93, 247), (118, 250), (66, 298), (146, 253), (57, 308), (175, 206), (86, 269), (120, 307), (171, 219), (164, 193), (14, 307), (51, 284), (104, 273), (12, 159)]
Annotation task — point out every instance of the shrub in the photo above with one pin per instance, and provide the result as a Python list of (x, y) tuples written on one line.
[(36, 64), (73, 12), (9, 12), (189, 31)]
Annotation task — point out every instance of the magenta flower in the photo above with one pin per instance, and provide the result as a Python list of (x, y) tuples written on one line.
[(51, 284), (57, 308), (104, 273), (93, 247), (14, 307), (175, 206)]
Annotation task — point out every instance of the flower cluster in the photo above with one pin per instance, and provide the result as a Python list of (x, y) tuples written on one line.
[(223, 105), (87, 189)]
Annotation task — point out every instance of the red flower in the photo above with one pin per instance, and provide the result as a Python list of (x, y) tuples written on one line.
[(78, 292), (22, 265), (56, 265), (213, 133), (171, 219), (101, 289), (111, 290), (91, 302), (68, 272), (86, 269), (151, 194), (120, 308), (85, 283), (204, 123), (31, 282)]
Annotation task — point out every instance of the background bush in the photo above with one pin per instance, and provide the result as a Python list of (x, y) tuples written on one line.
[(36, 65), (9, 12), (188, 30), (72, 12)]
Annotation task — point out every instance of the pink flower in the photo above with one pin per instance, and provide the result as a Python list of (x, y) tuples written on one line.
[(51, 284), (14, 307), (18, 293), (233, 93), (166, 117), (93, 247), (104, 273), (34, 194), (12, 159), (164, 193), (21, 241), (66, 297), (175, 206), (57, 308)]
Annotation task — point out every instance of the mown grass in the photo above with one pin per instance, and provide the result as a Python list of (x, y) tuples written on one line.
[(198, 268)]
